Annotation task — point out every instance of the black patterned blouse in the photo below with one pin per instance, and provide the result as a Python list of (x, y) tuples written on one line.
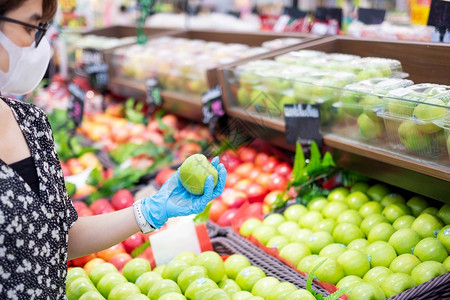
[(34, 228)]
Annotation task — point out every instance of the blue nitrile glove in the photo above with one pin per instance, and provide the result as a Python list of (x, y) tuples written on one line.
[(173, 200)]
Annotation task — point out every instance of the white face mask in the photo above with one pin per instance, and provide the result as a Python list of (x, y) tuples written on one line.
[(27, 66)]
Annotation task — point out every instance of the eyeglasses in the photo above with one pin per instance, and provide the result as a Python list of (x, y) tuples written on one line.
[(41, 28)]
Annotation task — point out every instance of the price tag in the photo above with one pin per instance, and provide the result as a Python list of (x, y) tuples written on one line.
[(371, 16), (212, 105), (75, 108), (302, 123), (153, 93), (96, 68)]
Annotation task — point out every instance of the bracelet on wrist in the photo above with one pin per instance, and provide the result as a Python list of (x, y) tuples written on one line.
[(140, 219)]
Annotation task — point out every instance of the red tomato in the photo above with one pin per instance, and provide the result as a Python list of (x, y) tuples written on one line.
[(244, 169), (277, 182), (270, 164), (227, 217), (164, 175), (247, 154), (283, 169), (254, 173), (256, 192), (233, 199), (232, 179), (261, 159), (242, 185), (217, 209), (81, 261), (263, 179), (230, 160)]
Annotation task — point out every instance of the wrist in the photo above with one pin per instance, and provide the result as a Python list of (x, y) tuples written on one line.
[(143, 224)]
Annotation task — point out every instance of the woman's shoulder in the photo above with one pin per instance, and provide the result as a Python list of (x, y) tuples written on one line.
[(25, 110)]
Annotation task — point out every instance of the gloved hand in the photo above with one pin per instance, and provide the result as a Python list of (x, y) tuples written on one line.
[(173, 200)]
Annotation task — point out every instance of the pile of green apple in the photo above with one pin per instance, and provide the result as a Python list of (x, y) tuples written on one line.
[(413, 120), (203, 277), (376, 244), (360, 101)]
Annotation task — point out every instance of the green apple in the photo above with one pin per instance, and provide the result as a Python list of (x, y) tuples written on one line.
[(403, 222), (294, 212), (159, 269), (174, 269), (286, 100), (325, 225), (101, 270), (317, 204), (333, 209), (146, 280), (188, 257), (288, 228), (353, 262), (264, 233), (75, 273), (278, 242), (294, 252), (348, 282), (300, 294), (397, 283), (404, 263), (333, 250), (381, 232), (263, 286), (123, 290), (368, 128), (370, 221), (427, 270), (234, 264), (417, 205), (108, 282), (394, 211), (163, 287), (392, 198), (426, 225), (243, 97), (380, 253), (377, 192), (432, 211), (168, 296), (370, 208), (402, 108), (350, 216), (444, 213), (213, 263), (359, 244), (412, 138), (344, 233), (330, 271), (446, 263), (229, 286), (318, 240), (444, 237), (359, 186), (249, 226), (404, 240), (377, 275), (281, 291), (338, 194), (248, 276), (364, 290), (95, 295), (430, 110), (194, 171), (306, 263), (301, 236), (274, 220), (356, 199), (78, 287), (216, 294), (309, 219), (198, 288), (430, 248)]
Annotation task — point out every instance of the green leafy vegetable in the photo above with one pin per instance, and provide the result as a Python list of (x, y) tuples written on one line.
[(203, 216), (133, 111), (317, 295), (139, 250)]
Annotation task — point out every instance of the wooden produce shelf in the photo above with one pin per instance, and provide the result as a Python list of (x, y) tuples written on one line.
[(189, 107)]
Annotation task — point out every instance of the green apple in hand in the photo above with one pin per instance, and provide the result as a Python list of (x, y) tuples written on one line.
[(427, 270)]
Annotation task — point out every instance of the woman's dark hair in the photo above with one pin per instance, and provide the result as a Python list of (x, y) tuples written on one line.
[(48, 7)]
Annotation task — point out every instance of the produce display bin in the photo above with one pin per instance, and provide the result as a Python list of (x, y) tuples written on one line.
[(186, 63)]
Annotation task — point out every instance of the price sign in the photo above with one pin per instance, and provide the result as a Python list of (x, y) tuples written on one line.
[(76, 103), (212, 105), (371, 16), (95, 67), (302, 123), (153, 93)]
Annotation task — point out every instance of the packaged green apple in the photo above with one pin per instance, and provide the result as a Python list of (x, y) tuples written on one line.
[(371, 67), (299, 57)]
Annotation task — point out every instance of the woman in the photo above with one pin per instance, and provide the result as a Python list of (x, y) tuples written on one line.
[(39, 227)]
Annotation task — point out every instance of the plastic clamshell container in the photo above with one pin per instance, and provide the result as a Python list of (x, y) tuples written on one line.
[(414, 121)]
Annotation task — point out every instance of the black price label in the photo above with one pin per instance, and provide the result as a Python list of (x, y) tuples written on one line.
[(75, 108), (95, 67), (153, 93), (371, 16), (212, 105), (302, 123)]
